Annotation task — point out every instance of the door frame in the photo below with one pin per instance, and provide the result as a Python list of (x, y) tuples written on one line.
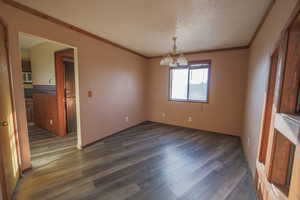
[(268, 109), (3, 181), (2, 172), (60, 89), (74, 56)]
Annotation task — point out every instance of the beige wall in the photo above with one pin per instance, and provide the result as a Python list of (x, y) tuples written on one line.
[(43, 62), (225, 110), (115, 76), (259, 63), (118, 81)]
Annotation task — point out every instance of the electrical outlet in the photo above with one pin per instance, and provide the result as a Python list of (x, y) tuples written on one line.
[(126, 119), (248, 141), (90, 94), (163, 115), (51, 121), (190, 119)]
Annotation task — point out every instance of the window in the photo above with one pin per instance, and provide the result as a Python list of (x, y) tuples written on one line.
[(190, 83)]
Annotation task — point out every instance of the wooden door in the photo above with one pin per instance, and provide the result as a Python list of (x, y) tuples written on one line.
[(9, 163), (278, 171), (269, 108), (70, 97), (60, 57), (1, 193)]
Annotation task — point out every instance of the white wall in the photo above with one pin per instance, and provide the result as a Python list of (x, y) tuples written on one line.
[(43, 62)]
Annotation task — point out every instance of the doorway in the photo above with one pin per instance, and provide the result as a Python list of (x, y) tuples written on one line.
[(9, 154), (49, 81)]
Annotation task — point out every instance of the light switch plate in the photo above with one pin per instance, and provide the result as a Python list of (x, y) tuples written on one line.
[(90, 94)]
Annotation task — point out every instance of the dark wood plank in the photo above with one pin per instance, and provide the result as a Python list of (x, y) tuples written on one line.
[(46, 147), (149, 161), (60, 89)]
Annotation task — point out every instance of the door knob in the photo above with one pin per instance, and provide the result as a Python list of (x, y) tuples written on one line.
[(3, 123)]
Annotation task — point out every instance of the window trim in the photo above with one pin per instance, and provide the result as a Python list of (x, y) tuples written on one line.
[(208, 62)]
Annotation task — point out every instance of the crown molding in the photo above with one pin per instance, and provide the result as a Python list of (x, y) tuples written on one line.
[(79, 30), (209, 51), (66, 25), (263, 20)]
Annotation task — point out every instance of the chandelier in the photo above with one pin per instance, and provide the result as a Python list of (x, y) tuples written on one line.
[(174, 59)]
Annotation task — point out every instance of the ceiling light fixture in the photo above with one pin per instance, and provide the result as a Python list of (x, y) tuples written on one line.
[(174, 59)]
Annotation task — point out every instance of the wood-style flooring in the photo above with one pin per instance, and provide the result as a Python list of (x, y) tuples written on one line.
[(150, 161), (45, 147)]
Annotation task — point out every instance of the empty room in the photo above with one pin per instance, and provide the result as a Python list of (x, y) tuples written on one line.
[(150, 100)]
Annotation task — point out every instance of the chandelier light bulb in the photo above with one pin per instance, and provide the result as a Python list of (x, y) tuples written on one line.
[(174, 59)]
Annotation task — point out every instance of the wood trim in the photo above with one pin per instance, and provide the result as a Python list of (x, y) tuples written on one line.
[(280, 159), (291, 77), (77, 29), (2, 172), (217, 50), (2, 180), (192, 62), (274, 175), (282, 48), (291, 19), (114, 134), (60, 89), (288, 99), (267, 189), (295, 182), (208, 51), (11, 94), (268, 113), (289, 22), (263, 20), (282, 52), (204, 130), (67, 25)]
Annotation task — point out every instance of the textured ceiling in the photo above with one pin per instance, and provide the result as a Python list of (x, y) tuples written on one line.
[(147, 26)]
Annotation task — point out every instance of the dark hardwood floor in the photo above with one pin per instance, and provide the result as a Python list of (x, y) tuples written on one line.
[(45, 147), (148, 162)]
